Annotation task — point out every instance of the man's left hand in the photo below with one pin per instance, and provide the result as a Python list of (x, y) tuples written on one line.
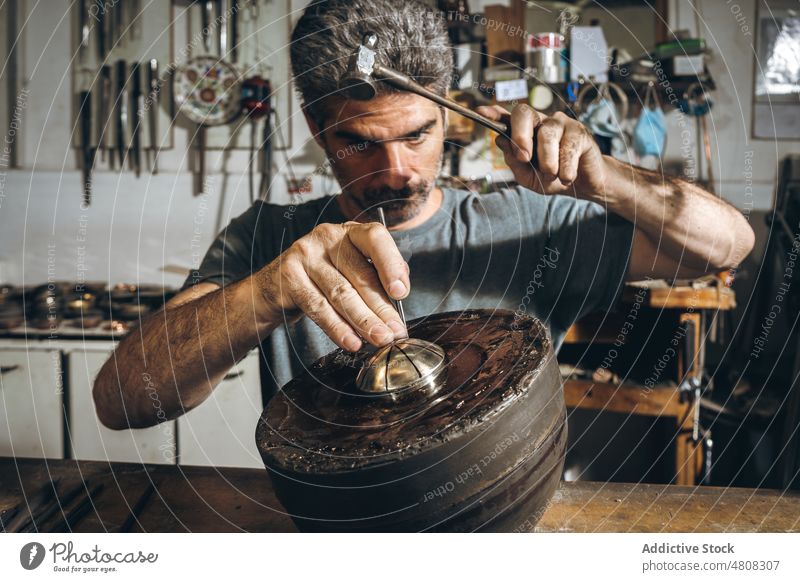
[(549, 154)]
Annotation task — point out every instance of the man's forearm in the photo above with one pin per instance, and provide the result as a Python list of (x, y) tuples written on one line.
[(689, 223), (173, 361)]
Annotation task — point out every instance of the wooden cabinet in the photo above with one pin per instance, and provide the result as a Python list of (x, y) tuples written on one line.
[(221, 431), (47, 410), (31, 403)]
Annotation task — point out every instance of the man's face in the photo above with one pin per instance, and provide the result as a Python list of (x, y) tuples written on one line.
[(385, 152)]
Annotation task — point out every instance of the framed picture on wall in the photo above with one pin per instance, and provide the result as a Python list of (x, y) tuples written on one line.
[(776, 92)]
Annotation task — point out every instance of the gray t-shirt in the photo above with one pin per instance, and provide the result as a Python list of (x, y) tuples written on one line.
[(553, 257)]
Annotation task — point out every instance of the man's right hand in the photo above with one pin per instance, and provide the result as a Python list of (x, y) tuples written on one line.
[(339, 275)]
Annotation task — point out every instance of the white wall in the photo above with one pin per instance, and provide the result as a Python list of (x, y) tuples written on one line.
[(731, 65), (136, 227)]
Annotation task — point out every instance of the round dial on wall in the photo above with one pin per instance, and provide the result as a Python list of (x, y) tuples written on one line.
[(207, 90)]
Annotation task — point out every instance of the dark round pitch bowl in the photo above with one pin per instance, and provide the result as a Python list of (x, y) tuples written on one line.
[(485, 453)]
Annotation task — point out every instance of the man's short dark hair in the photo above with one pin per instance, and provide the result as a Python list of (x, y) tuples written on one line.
[(412, 39)]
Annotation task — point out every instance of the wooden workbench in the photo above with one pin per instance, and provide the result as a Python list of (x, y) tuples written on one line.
[(204, 499)]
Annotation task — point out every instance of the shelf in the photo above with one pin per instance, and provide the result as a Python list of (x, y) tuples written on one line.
[(626, 398)]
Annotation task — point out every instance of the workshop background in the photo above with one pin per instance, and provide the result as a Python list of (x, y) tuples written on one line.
[(720, 408)]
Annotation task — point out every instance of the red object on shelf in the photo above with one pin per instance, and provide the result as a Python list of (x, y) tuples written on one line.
[(256, 93), (551, 40)]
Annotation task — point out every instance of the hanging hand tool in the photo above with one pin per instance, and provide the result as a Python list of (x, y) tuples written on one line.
[(250, 16), (256, 103), (11, 71), (207, 17), (121, 111), (266, 159), (108, 31), (87, 152), (154, 87), (117, 36), (100, 29), (135, 119), (83, 30), (222, 28), (233, 31), (135, 20), (200, 159), (102, 125), (256, 95)]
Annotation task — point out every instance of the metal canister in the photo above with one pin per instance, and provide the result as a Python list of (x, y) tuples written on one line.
[(544, 57)]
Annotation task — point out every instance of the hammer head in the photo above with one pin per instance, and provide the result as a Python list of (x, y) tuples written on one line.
[(358, 82)]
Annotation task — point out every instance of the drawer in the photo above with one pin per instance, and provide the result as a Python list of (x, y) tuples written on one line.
[(31, 404), (91, 440), (221, 430)]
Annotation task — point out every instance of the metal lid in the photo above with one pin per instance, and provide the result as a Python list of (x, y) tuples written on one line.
[(405, 368), (321, 422)]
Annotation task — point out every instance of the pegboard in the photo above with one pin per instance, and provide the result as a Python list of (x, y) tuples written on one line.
[(262, 48)]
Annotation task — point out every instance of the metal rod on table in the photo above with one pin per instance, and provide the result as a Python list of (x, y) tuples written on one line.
[(136, 510), (59, 502), (397, 303), (6, 516), (31, 508), (82, 505)]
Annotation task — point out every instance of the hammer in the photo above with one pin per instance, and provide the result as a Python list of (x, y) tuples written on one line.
[(363, 72)]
